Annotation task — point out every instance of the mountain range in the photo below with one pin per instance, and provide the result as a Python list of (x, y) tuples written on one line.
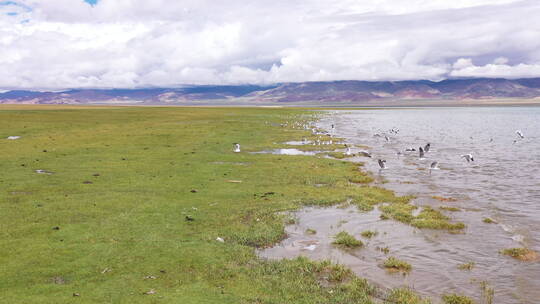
[(351, 91)]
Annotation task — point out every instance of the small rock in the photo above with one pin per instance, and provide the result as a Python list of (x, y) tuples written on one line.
[(96, 174), (189, 218), (58, 280), (44, 150), (107, 269), (39, 171), (56, 228), (220, 240), (150, 292), (163, 271)]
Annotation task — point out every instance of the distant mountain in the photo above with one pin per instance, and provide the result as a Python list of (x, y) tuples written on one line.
[(320, 92)]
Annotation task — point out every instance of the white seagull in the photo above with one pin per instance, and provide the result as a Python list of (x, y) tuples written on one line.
[(520, 134), (236, 147), (434, 166), (468, 157)]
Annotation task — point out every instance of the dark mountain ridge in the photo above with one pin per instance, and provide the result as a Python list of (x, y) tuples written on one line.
[(330, 91)]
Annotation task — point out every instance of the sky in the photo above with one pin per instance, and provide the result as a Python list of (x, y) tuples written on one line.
[(58, 44)]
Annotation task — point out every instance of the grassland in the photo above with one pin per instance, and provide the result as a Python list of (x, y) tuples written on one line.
[(138, 197)]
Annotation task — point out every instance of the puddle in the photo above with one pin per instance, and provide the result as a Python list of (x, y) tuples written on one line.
[(39, 171), (13, 137), (298, 142), (230, 163), (434, 255), (288, 152)]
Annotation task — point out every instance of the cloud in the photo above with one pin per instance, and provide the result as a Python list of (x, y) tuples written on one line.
[(130, 43)]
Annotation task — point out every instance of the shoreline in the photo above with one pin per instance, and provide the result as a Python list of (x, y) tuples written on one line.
[(242, 103)]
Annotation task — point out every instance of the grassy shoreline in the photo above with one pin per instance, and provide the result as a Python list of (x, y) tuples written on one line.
[(139, 196)]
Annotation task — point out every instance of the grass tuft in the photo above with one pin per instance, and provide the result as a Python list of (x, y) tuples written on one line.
[(448, 208), (488, 220), (368, 234), (466, 266), (345, 240), (522, 254), (405, 296), (311, 231), (395, 264), (456, 299)]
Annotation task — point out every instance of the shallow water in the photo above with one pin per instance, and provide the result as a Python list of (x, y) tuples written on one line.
[(287, 152), (503, 183)]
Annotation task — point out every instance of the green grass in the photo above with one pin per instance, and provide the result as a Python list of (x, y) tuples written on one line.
[(339, 155), (368, 234), (433, 219), (405, 296), (345, 240), (488, 220), (448, 208), (395, 264), (466, 266), (311, 231), (522, 254), (159, 196), (456, 299)]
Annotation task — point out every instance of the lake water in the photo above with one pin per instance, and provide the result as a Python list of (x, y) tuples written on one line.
[(503, 183)]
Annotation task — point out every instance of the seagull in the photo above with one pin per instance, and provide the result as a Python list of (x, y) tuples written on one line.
[(13, 137), (236, 147), (410, 150), (420, 152), (426, 147), (520, 134), (468, 157), (386, 138), (382, 163), (348, 151), (365, 153), (434, 166)]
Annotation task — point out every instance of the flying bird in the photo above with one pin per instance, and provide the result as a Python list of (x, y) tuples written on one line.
[(426, 147), (365, 154), (434, 166), (236, 147), (520, 134), (410, 150), (421, 152), (468, 157), (382, 163)]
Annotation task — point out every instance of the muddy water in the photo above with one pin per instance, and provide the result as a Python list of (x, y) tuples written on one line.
[(503, 183)]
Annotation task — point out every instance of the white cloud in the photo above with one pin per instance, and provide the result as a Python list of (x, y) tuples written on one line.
[(133, 43)]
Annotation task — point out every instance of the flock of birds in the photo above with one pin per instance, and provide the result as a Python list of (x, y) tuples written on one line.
[(421, 150), (382, 162)]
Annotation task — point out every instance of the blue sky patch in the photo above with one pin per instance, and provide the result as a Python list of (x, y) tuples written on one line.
[(17, 4)]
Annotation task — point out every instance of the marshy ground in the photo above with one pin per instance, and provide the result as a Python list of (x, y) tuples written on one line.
[(151, 205)]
